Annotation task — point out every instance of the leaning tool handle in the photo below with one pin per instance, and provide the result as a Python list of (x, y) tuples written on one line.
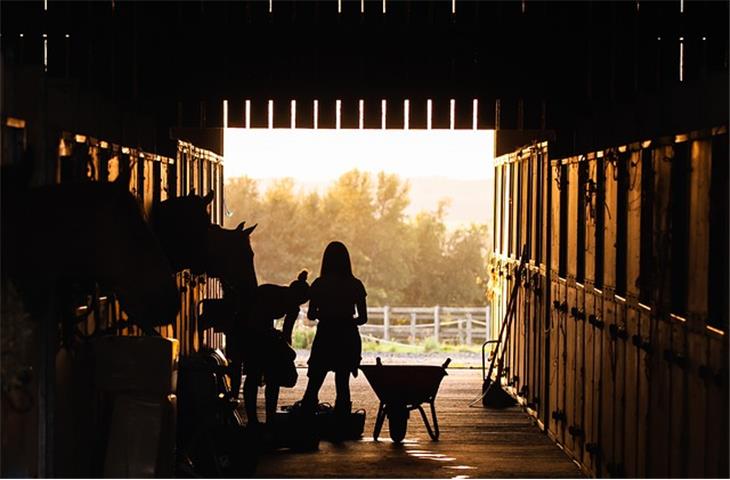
[(512, 310), (506, 320)]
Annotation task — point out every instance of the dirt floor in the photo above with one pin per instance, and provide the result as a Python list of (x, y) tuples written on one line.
[(474, 442)]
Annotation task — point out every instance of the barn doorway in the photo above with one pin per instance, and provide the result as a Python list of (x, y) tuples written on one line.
[(413, 205)]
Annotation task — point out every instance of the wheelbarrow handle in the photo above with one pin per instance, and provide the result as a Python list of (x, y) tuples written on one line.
[(484, 362), (446, 363)]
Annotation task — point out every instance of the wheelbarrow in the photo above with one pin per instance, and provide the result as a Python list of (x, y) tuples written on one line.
[(402, 388)]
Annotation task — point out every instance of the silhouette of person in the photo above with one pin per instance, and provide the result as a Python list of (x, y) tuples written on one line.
[(267, 356), (334, 299)]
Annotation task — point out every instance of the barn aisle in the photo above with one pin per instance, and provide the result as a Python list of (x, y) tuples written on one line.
[(474, 442)]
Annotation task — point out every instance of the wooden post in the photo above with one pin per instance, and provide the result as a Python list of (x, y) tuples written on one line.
[(414, 316), (487, 323), (386, 323), (436, 322), (468, 328), (497, 113)]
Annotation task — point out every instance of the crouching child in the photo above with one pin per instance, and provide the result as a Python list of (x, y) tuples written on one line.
[(268, 358)]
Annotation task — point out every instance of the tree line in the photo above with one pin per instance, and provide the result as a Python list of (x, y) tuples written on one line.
[(414, 261)]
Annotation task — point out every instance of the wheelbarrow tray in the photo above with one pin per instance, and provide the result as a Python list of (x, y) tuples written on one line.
[(404, 384), (401, 388)]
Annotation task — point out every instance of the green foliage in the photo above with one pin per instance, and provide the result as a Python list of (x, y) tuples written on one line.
[(402, 261), (390, 347), (431, 345), (302, 337)]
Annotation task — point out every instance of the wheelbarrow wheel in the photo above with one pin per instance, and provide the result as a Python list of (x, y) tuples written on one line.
[(398, 424)]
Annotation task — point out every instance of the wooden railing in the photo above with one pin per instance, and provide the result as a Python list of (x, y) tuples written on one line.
[(457, 325)]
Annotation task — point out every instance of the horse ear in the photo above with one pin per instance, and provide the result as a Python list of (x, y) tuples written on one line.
[(192, 192), (240, 226), (250, 229), (209, 197)]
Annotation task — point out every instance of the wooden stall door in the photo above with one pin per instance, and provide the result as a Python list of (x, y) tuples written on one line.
[(698, 348), (660, 386), (569, 330), (608, 310)]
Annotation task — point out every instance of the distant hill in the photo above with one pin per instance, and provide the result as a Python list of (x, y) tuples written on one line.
[(470, 200)]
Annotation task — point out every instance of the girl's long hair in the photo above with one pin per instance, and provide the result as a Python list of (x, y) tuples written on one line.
[(336, 260)]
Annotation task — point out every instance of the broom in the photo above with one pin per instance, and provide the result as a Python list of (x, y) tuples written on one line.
[(493, 396)]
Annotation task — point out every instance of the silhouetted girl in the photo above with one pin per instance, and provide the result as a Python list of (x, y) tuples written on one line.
[(335, 298)]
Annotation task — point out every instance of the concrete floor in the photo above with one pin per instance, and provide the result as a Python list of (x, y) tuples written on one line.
[(474, 442)]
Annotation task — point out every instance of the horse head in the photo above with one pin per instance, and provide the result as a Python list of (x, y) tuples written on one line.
[(230, 258), (145, 284), (181, 224), (93, 232)]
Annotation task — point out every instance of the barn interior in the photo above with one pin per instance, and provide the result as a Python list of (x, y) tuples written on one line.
[(610, 258)]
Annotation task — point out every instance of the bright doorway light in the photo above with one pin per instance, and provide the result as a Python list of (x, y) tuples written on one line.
[(325, 154), (439, 164)]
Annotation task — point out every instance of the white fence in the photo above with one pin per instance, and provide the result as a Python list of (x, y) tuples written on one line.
[(457, 325)]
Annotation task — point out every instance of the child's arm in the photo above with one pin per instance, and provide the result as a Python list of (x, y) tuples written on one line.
[(313, 310), (289, 320), (362, 312)]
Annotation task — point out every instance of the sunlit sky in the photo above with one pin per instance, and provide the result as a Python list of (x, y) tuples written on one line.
[(325, 154)]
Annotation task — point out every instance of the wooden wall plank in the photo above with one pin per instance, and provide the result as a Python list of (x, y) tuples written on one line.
[(633, 226), (608, 367), (133, 174), (660, 402), (580, 373), (715, 426), (509, 345), (498, 199), (544, 193), (521, 339), (533, 379), (515, 211), (608, 377), (164, 178), (554, 186), (522, 203), (699, 239), (535, 225), (95, 161), (555, 380), (545, 217), (631, 418), (563, 361), (149, 185), (660, 405), (610, 212), (633, 262), (590, 224), (591, 333), (195, 176), (524, 209), (662, 161), (644, 377), (506, 209), (543, 319), (678, 418), (572, 209), (570, 343), (619, 379), (591, 419), (554, 361)]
